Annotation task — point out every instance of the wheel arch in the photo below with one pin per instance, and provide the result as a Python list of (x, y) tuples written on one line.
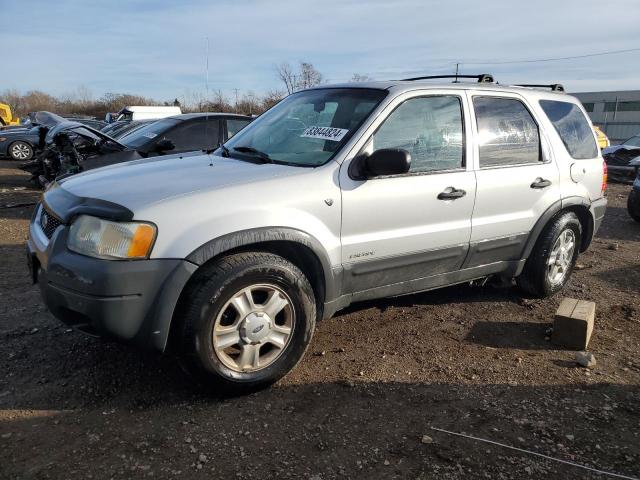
[(577, 205), (296, 246)]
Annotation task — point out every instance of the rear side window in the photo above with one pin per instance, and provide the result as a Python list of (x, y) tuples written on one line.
[(573, 127), (507, 133), (235, 125), (195, 135)]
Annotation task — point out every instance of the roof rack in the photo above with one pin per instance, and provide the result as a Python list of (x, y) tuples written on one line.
[(482, 78), (555, 87)]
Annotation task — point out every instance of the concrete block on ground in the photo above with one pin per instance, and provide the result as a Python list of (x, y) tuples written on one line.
[(573, 324)]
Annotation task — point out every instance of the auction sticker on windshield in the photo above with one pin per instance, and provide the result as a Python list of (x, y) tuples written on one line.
[(325, 133)]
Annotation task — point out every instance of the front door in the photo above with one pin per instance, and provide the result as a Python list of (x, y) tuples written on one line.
[(400, 228)]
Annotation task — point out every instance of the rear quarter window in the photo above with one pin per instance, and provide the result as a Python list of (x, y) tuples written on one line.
[(573, 127)]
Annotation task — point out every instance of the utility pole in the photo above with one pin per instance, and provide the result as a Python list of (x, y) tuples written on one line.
[(236, 92)]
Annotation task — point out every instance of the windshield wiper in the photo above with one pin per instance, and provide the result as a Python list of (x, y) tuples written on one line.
[(263, 156), (225, 150)]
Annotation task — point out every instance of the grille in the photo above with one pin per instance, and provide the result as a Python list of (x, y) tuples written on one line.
[(48, 223)]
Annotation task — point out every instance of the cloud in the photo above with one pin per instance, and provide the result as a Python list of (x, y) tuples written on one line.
[(158, 48)]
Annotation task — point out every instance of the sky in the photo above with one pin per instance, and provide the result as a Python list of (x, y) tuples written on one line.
[(158, 48)]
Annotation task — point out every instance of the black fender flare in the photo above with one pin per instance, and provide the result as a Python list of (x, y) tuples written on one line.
[(253, 236), (548, 214)]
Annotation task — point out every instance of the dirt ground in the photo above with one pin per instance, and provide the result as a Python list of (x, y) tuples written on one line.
[(376, 379)]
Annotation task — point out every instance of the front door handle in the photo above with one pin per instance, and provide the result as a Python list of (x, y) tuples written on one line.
[(451, 193), (541, 183)]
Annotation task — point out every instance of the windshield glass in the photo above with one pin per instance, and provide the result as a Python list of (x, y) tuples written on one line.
[(633, 141), (142, 136), (309, 127)]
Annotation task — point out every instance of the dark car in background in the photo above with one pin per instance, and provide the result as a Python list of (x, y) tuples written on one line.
[(23, 141), (633, 202), (72, 147), (123, 127), (92, 122)]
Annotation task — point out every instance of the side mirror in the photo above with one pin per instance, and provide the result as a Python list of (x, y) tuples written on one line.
[(164, 145), (383, 162)]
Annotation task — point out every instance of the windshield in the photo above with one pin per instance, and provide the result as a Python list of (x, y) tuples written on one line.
[(144, 135), (633, 141), (307, 128)]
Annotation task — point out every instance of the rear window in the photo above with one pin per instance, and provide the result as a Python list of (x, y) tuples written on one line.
[(573, 127)]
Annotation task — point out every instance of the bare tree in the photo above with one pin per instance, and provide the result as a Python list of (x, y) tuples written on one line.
[(360, 78), (270, 99), (309, 76), (288, 77)]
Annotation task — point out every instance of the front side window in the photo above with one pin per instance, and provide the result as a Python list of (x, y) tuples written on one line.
[(573, 127), (429, 128), (507, 133), (307, 128)]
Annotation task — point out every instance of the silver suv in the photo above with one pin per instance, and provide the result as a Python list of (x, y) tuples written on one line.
[(337, 194)]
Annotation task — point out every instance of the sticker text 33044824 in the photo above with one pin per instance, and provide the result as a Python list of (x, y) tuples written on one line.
[(325, 133)]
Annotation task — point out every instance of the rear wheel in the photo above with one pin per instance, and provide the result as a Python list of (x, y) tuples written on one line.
[(551, 262), (633, 205), (247, 321), (20, 151)]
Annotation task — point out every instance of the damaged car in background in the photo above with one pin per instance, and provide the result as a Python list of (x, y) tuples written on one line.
[(619, 158), (22, 142), (71, 148)]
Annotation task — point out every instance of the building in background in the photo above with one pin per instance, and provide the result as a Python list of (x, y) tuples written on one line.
[(616, 113)]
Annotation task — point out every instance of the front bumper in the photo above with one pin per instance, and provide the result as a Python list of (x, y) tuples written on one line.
[(132, 301)]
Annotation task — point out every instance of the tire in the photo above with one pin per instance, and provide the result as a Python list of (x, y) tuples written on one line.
[(538, 278), (633, 205), (217, 298), (21, 151)]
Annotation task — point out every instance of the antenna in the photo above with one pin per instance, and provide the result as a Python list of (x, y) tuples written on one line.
[(206, 80), (206, 86)]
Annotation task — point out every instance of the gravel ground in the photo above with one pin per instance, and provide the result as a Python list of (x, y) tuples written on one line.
[(363, 402)]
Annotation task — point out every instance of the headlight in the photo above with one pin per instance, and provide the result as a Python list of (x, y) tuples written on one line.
[(100, 238)]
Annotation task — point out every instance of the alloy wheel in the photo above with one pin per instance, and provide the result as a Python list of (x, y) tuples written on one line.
[(561, 257), (253, 328)]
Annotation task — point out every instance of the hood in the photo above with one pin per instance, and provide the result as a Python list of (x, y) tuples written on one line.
[(18, 132), (144, 182)]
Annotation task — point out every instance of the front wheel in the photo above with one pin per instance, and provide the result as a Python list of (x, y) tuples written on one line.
[(551, 262), (633, 205), (247, 321), (20, 151)]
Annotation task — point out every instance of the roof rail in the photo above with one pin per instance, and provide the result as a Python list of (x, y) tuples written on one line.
[(555, 87), (482, 78)]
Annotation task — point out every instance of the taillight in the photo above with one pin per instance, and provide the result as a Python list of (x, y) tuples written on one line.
[(604, 177)]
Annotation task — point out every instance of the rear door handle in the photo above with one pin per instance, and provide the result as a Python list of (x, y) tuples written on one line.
[(451, 193), (541, 183)]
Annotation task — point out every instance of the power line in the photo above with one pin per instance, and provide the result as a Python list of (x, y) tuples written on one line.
[(611, 52)]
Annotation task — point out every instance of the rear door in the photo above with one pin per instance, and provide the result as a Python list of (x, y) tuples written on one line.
[(517, 177), (401, 228)]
